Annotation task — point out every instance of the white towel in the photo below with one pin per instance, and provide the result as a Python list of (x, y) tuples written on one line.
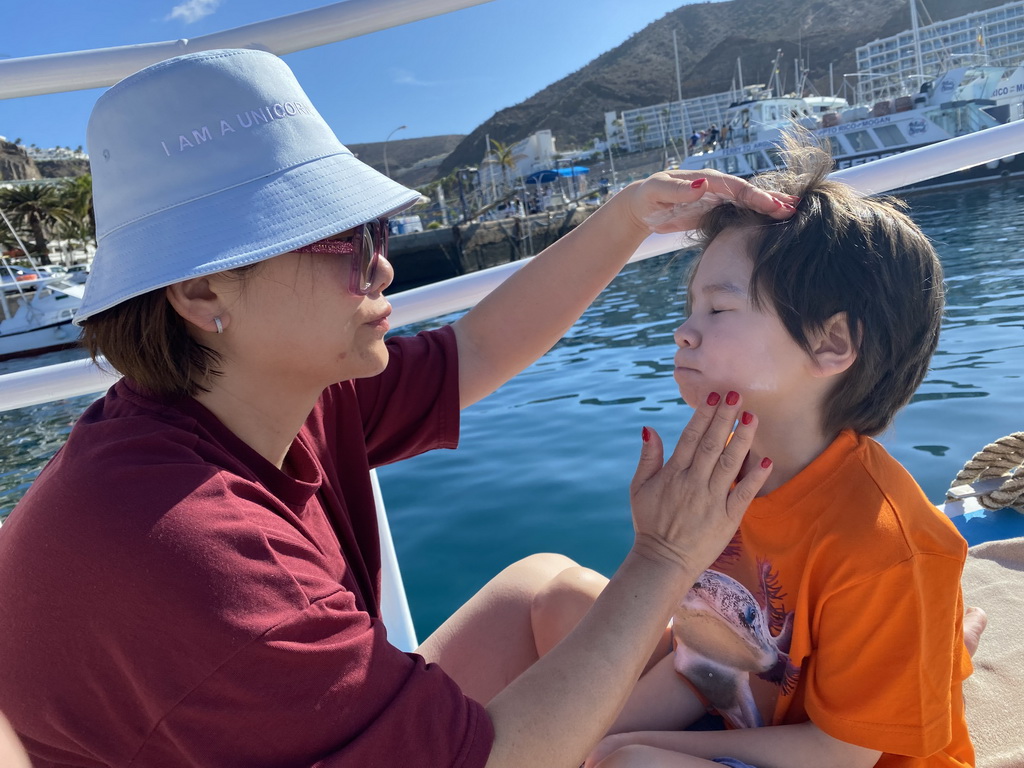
[(994, 580)]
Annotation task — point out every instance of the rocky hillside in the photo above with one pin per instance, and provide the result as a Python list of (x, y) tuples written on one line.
[(711, 36), (641, 71), (16, 164), (413, 162)]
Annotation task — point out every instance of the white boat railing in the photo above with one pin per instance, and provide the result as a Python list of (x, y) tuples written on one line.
[(81, 377), (88, 69), (78, 70)]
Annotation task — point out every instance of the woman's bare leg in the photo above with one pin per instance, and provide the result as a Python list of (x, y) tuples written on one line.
[(516, 618), (565, 600), (489, 641), (661, 701)]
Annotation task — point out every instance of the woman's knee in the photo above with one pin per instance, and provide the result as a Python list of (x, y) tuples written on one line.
[(540, 567), (564, 600)]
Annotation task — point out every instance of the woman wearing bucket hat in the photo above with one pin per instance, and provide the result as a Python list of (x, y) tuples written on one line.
[(194, 578)]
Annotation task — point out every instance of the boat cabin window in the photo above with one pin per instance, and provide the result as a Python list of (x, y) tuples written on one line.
[(830, 145), (775, 157), (731, 164), (890, 135), (860, 141), (758, 161)]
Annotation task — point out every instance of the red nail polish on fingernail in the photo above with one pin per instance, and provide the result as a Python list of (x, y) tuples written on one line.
[(766, 462), (732, 398), (645, 433), (787, 206), (698, 183), (747, 417), (713, 398)]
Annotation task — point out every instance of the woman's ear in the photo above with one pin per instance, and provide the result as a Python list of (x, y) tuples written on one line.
[(197, 303), (834, 349)]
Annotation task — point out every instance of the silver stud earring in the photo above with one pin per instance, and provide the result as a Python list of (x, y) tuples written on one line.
[(219, 324)]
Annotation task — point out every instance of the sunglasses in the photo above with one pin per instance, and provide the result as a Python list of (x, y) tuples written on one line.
[(366, 244)]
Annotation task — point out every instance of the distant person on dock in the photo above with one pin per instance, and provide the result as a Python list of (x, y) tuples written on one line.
[(195, 577), (831, 630), (712, 138)]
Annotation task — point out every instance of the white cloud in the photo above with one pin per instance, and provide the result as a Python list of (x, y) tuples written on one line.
[(405, 77), (193, 10)]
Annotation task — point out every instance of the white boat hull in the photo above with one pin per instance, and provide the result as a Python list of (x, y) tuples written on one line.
[(38, 340)]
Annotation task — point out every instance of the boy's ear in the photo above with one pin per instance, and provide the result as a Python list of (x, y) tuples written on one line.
[(834, 350)]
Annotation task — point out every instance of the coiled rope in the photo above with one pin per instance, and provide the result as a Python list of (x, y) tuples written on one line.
[(1003, 458)]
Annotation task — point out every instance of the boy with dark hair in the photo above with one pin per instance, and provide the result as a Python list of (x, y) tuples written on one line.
[(829, 632)]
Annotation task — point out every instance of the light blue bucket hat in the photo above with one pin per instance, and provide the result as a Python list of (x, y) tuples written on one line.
[(211, 161)]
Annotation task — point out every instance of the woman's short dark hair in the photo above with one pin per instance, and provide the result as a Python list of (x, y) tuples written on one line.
[(844, 253), (145, 339)]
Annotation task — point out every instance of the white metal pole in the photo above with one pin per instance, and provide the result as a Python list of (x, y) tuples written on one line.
[(59, 72), (25, 388), (915, 27), (394, 605)]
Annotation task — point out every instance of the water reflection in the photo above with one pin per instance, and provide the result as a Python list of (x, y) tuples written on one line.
[(545, 462)]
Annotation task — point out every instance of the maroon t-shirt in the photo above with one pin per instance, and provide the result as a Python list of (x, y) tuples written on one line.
[(170, 598)]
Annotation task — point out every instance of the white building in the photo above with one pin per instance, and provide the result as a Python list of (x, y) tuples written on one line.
[(667, 125), (534, 153), (55, 153), (888, 67)]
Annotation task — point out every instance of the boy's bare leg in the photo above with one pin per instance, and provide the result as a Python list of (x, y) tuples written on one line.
[(642, 756)]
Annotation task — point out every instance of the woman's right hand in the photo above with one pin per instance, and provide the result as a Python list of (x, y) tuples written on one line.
[(687, 509)]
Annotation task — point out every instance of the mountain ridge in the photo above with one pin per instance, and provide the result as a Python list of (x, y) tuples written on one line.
[(711, 35)]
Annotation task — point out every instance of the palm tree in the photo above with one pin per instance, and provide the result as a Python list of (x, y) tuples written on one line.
[(506, 158), (36, 208), (641, 130), (76, 198), (617, 132)]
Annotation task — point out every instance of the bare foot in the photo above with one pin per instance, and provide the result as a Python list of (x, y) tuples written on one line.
[(975, 620)]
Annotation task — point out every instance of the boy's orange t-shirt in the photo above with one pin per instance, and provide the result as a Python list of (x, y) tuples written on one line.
[(853, 578)]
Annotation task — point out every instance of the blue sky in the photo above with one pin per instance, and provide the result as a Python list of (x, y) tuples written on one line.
[(443, 75)]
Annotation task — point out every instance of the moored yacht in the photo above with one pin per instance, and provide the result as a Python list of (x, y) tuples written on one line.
[(958, 103), (36, 315)]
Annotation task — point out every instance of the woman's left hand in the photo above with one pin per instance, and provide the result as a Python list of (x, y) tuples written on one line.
[(674, 201)]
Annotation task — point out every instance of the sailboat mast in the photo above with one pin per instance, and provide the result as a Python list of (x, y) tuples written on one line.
[(915, 27)]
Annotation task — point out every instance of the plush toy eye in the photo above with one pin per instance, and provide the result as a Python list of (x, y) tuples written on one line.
[(749, 614)]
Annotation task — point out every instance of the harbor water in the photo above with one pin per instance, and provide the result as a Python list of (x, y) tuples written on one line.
[(545, 463)]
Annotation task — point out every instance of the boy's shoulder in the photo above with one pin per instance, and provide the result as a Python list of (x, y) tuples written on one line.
[(877, 501), (856, 496)]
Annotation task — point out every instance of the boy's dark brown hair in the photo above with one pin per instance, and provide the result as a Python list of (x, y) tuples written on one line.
[(149, 342), (844, 253)]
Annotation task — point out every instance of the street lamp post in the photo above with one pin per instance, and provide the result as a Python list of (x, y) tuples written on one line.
[(462, 194), (399, 128)]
